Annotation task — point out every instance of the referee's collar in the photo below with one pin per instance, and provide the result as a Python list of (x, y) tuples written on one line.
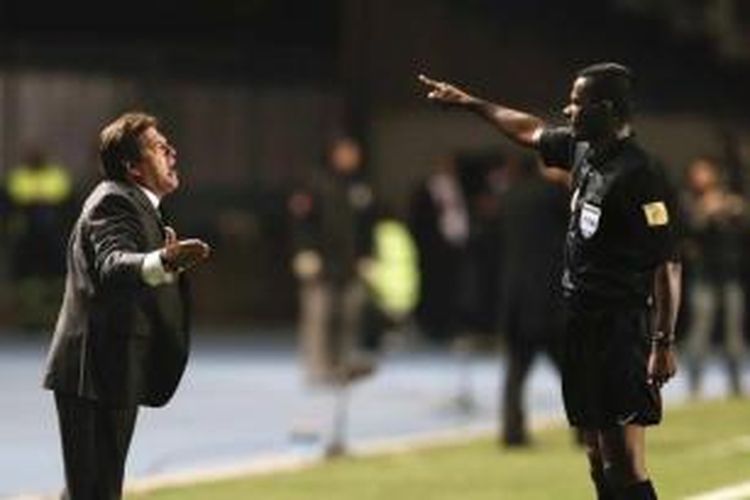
[(599, 157)]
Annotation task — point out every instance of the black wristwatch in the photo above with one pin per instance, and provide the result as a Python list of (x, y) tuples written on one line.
[(662, 339)]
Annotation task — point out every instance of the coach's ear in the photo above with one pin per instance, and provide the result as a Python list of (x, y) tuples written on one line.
[(132, 171)]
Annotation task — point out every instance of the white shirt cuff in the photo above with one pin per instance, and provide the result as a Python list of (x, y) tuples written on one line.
[(153, 272)]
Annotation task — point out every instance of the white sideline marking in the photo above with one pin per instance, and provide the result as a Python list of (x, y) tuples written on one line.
[(291, 462), (260, 466), (735, 492)]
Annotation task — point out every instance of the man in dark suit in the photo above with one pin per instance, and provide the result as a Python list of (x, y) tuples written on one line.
[(121, 338)]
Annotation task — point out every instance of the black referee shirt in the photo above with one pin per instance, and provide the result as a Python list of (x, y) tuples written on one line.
[(621, 222)]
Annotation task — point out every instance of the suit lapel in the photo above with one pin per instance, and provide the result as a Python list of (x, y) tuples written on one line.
[(135, 193)]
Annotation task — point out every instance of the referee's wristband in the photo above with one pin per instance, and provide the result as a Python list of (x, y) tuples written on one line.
[(661, 339)]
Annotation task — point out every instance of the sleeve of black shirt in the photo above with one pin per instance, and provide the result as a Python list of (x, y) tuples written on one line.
[(556, 147), (654, 214)]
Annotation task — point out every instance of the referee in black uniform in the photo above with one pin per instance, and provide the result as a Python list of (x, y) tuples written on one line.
[(622, 275)]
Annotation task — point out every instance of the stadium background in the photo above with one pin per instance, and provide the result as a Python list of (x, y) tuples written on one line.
[(251, 91)]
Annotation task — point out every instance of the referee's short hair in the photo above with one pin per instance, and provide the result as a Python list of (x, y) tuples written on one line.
[(611, 82), (119, 144)]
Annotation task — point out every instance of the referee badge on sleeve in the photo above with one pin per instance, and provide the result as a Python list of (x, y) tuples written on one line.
[(656, 213), (589, 219)]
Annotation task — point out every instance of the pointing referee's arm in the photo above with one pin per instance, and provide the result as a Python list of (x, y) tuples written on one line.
[(522, 128), (667, 283)]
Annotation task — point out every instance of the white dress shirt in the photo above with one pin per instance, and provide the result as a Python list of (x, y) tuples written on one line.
[(152, 271)]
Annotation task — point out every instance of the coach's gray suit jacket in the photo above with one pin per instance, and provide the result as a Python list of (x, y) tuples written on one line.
[(118, 340)]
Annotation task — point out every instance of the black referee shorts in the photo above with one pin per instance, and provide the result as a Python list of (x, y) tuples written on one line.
[(604, 369)]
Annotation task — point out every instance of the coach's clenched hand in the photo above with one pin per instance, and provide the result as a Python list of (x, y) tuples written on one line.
[(180, 255)]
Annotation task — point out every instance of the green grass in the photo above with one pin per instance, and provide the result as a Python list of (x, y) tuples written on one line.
[(699, 447)]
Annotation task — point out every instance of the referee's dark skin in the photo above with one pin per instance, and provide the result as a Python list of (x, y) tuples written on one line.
[(602, 124)]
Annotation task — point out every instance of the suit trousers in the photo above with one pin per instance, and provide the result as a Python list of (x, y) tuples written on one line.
[(95, 442)]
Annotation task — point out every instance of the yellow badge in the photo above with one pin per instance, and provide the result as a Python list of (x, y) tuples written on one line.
[(656, 213)]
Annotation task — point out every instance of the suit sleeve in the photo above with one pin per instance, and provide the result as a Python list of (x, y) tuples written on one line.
[(116, 242)]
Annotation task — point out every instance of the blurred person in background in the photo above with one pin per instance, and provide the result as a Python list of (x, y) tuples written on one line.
[(332, 231), (392, 281), (716, 223), (439, 221), (122, 335), (484, 178), (533, 222), (621, 269), (332, 224), (39, 196)]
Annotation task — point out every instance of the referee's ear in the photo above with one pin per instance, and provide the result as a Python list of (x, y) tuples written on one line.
[(608, 111), (609, 107)]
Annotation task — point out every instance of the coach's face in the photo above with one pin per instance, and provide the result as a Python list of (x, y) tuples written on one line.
[(156, 169), (589, 120)]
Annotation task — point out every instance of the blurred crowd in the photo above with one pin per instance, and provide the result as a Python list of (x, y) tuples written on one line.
[(481, 260), (473, 262)]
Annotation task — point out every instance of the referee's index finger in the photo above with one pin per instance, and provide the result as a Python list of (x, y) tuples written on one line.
[(428, 81)]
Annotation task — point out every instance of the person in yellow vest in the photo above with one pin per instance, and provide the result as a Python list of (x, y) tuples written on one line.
[(39, 194), (392, 280)]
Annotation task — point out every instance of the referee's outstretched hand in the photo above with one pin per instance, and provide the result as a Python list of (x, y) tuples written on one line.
[(445, 93), (662, 364)]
